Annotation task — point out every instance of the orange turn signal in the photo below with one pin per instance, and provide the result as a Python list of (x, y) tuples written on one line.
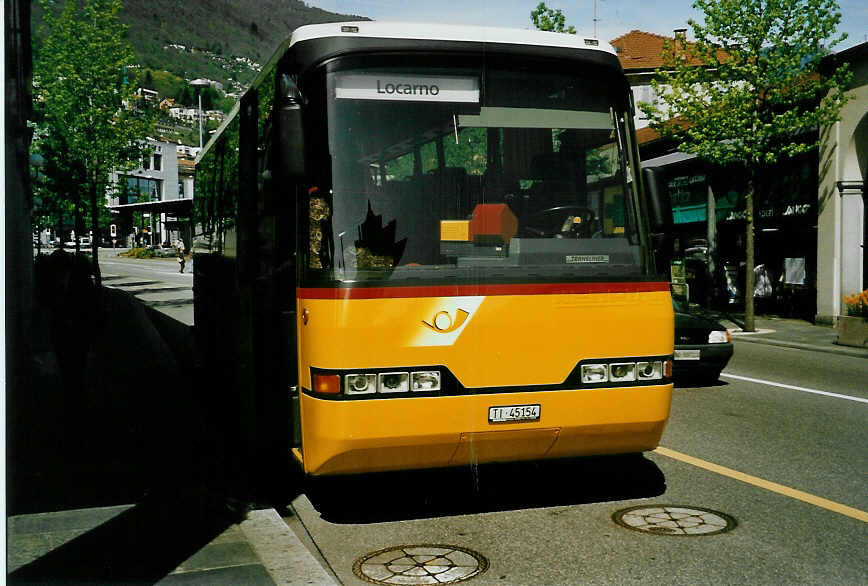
[(327, 383)]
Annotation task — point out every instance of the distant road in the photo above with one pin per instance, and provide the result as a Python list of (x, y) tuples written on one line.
[(156, 282)]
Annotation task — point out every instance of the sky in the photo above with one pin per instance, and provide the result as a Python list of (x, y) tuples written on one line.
[(614, 17)]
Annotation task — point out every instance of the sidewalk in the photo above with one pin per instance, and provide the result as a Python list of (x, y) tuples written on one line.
[(114, 475), (159, 543), (789, 333)]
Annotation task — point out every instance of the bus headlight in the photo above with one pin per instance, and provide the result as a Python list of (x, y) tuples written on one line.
[(394, 382), (650, 370), (361, 384), (425, 380), (595, 373), (622, 372)]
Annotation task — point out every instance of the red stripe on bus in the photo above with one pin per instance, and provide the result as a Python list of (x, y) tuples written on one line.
[(480, 290)]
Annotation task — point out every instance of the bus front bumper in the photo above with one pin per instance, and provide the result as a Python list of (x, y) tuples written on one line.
[(350, 437)]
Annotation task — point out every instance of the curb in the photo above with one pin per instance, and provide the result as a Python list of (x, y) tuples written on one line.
[(833, 349), (282, 553)]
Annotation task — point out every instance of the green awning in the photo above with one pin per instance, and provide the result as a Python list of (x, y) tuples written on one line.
[(689, 214), (697, 212)]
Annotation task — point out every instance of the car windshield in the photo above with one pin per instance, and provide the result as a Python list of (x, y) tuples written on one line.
[(443, 177)]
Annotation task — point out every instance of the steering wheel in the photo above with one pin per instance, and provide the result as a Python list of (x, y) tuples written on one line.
[(559, 222)]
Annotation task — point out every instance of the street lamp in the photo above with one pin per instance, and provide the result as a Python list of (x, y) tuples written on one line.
[(200, 84)]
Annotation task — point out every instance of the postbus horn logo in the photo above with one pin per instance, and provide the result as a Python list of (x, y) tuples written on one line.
[(443, 322)]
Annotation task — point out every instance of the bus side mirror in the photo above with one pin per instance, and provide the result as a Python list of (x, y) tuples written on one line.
[(659, 214), (659, 206), (290, 128)]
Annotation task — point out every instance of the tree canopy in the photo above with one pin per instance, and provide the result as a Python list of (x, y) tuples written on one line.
[(550, 19), (748, 90), (88, 118)]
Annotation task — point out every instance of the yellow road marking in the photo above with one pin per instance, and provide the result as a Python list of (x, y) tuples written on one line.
[(771, 486)]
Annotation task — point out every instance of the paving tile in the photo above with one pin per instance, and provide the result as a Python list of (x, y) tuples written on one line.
[(249, 575), (231, 535), (63, 520), (218, 555)]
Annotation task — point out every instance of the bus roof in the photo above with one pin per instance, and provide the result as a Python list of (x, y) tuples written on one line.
[(446, 32), (340, 38)]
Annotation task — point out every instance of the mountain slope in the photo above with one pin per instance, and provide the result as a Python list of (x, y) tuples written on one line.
[(210, 38)]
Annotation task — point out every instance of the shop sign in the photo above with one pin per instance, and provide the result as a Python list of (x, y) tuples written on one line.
[(803, 209)]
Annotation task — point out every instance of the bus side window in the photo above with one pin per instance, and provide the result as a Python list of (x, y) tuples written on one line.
[(319, 214)]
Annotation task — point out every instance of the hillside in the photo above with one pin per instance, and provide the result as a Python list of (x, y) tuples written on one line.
[(223, 40)]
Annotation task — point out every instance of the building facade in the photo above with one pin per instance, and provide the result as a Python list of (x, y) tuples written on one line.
[(841, 218), (810, 220), (153, 203)]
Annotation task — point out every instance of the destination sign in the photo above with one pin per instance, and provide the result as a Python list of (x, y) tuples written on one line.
[(406, 88)]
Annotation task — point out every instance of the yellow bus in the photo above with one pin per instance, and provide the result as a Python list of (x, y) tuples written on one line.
[(427, 246)]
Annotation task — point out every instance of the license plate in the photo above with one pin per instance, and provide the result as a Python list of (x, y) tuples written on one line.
[(513, 413), (687, 355)]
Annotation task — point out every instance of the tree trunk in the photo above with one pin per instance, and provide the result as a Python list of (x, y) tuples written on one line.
[(94, 228), (711, 254), (58, 229), (78, 221), (749, 255)]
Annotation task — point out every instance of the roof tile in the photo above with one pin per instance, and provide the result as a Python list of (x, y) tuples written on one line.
[(640, 50)]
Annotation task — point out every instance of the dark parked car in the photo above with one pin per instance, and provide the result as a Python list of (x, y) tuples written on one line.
[(702, 345)]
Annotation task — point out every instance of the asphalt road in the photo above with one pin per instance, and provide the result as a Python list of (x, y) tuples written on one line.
[(787, 464), (778, 444), (156, 282)]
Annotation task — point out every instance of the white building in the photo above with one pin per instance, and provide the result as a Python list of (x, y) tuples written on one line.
[(154, 202), (841, 221)]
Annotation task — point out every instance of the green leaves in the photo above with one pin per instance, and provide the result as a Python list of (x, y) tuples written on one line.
[(550, 19), (89, 120), (749, 89), (750, 80)]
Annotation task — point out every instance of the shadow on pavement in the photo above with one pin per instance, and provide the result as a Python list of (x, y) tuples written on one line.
[(109, 416), (697, 381), (110, 412), (141, 545), (394, 496)]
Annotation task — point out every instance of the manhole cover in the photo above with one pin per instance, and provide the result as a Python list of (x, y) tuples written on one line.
[(420, 564), (674, 520)]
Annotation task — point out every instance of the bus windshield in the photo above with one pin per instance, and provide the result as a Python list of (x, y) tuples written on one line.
[(501, 175)]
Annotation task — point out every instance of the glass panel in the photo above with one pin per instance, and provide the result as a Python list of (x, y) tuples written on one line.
[(524, 179), (215, 204), (142, 189)]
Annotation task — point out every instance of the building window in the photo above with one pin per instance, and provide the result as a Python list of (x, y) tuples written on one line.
[(158, 161), (140, 189), (181, 189), (146, 162)]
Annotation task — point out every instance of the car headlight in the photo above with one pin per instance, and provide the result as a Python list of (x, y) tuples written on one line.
[(718, 337)]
